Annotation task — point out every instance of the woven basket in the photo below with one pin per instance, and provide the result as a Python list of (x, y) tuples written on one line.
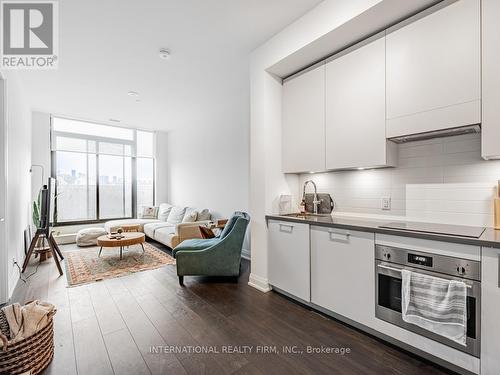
[(32, 354)]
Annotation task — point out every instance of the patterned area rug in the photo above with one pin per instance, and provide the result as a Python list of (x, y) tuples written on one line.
[(84, 266)]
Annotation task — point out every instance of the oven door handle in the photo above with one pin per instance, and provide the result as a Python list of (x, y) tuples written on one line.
[(400, 269), (390, 268)]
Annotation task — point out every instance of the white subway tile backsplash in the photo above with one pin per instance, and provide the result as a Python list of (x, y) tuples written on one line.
[(464, 145), (438, 180), (466, 157), (423, 150)]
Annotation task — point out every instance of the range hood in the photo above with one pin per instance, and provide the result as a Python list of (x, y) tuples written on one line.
[(468, 129)]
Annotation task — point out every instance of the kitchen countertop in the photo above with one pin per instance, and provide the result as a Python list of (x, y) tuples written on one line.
[(489, 238)]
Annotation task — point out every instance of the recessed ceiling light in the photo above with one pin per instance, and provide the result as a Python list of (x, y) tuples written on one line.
[(164, 54), (114, 120), (133, 94), (361, 169)]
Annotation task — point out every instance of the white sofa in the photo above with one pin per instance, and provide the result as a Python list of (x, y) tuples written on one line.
[(170, 226)]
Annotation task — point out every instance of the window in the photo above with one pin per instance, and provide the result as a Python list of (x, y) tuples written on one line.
[(103, 172), (115, 186), (145, 181), (76, 186)]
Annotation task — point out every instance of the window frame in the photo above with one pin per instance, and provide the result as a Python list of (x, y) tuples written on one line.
[(97, 139)]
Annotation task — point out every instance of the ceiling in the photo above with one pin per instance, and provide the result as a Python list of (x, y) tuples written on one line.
[(107, 48), (376, 18)]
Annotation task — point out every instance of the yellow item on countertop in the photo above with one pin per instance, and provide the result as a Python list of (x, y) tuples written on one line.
[(496, 208)]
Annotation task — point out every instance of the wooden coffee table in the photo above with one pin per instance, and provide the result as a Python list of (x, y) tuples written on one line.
[(128, 239)]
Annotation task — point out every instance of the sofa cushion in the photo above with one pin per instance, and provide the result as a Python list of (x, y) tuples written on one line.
[(113, 225), (149, 212), (164, 235), (164, 211), (176, 215), (88, 236), (190, 215), (151, 228), (204, 215)]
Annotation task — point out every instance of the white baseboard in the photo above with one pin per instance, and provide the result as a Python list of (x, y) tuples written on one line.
[(259, 283), (13, 282)]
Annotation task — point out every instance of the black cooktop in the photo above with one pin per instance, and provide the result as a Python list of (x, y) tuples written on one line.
[(434, 228)]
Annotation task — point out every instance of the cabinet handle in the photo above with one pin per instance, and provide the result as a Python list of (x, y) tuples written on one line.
[(346, 235), (498, 281), (286, 228)]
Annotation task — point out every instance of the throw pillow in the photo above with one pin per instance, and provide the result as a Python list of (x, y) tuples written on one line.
[(149, 212), (203, 215), (164, 211), (206, 233), (176, 215), (190, 215)]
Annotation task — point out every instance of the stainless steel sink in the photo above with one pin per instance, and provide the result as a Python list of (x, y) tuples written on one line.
[(306, 215)]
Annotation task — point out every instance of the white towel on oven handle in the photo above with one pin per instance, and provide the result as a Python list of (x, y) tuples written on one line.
[(435, 304)]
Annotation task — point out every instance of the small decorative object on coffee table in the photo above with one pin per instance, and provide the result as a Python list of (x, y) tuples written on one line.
[(131, 227), (125, 239)]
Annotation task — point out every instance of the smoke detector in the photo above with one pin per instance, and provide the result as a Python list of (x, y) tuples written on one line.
[(164, 54)]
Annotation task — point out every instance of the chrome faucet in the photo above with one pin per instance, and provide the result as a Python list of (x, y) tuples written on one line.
[(316, 202)]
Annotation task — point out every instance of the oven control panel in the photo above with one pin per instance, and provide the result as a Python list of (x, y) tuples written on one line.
[(422, 260), (463, 268)]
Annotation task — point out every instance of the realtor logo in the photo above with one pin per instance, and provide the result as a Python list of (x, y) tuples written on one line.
[(29, 37)]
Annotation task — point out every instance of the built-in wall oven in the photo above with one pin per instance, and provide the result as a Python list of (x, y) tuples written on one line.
[(389, 261)]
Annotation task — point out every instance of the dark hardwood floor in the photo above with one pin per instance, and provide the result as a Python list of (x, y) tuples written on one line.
[(115, 326)]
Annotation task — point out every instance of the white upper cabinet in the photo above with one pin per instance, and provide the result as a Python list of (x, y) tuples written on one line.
[(491, 79), (303, 132), (355, 109), (434, 71)]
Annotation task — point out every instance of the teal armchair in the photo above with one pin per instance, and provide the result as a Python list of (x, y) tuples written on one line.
[(219, 256)]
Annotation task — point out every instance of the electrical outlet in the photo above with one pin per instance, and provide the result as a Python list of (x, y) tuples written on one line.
[(386, 203)]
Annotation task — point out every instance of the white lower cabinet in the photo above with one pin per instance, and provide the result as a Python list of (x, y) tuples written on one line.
[(490, 311), (342, 276), (289, 259)]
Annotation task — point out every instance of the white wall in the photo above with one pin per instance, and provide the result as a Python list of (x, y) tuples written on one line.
[(161, 175), (439, 180), (208, 164), (266, 180), (40, 151), (18, 194)]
